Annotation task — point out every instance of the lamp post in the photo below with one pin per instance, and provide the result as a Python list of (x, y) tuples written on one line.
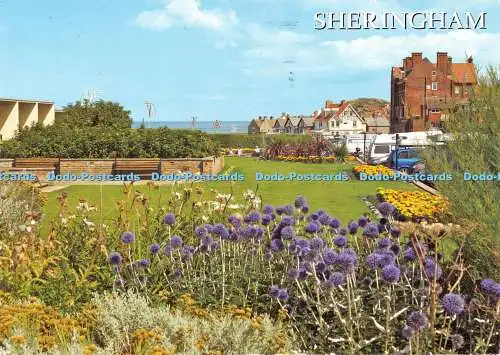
[(364, 146), (398, 143)]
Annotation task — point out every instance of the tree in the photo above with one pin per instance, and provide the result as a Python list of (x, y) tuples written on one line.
[(475, 149), (92, 114)]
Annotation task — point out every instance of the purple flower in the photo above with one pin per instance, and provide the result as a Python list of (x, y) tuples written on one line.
[(340, 241), (410, 254), (386, 209), (407, 332), (268, 209), (206, 241), (167, 250), (343, 231), (274, 291), (268, 255), (169, 219), (371, 230), (395, 248), (336, 279), (280, 210), (293, 274), (417, 320), (303, 243), (287, 233), (276, 245), (300, 202), (200, 232), (154, 248), (353, 227), (391, 273), (395, 232), (320, 212), (176, 241), (305, 209), (324, 219), (430, 268), (335, 223), (386, 258), (266, 219), (127, 237), (372, 260), (177, 275), (221, 231), (312, 228), (491, 288), (457, 341), (317, 243), (363, 221), (313, 217), (208, 227), (287, 221), (283, 295), (144, 263), (320, 267), (115, 258), (329, 256), (453, 304), (235, 221), (253, 217), (289, 210), (346, 260), (384, 243)]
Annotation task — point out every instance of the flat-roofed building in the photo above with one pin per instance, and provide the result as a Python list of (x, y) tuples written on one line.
[(15, 114)]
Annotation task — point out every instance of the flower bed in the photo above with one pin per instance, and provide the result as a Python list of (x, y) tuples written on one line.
[(309, 159), (416, 204), (372, 170)]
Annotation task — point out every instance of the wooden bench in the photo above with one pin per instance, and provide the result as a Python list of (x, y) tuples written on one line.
[(142, 167), (36, 163)]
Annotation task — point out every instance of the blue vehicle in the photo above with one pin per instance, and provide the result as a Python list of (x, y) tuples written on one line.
[(403, 159)]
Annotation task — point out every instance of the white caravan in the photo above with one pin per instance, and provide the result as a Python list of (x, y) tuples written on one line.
[(354, 142), (383, 144)]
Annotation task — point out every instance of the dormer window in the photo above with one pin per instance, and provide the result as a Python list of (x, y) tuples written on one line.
[(434, 86), (434, 73)]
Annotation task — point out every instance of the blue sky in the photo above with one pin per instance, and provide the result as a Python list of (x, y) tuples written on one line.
[(216, 59)]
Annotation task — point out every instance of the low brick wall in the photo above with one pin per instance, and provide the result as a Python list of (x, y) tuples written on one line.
[(210, 165)]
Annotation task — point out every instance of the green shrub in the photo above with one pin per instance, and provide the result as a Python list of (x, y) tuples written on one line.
[(241, 140)]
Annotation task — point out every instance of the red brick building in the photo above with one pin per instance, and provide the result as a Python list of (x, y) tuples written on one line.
[(422, 91)]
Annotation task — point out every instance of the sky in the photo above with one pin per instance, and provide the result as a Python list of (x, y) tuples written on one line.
[(217, 59)]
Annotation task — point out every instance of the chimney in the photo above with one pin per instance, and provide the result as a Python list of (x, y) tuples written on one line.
[(442, 62), (416, 58), (470, 60), (407, 63), (342, 102)]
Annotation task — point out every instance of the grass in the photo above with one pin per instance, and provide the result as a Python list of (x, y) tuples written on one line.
[(341, 199)]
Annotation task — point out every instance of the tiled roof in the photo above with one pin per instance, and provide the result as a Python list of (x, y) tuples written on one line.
[(308, 121), (464, 73)]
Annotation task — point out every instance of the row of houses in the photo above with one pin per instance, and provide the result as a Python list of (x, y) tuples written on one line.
[(337, 119)]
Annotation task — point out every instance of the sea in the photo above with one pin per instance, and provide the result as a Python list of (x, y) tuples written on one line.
[(205, 126)]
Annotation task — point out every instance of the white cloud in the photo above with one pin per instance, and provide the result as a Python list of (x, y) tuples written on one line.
[(186, 13)]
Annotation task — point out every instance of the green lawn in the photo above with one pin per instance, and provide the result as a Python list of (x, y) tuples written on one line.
[(341, 199)]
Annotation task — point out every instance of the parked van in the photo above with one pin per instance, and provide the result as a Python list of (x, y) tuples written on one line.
[(384, 144), (403, 159)]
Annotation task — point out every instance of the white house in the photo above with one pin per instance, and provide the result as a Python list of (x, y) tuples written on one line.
[(339, 119)]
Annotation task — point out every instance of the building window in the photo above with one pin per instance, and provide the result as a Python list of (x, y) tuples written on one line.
[(457, 90), (434, 86), (338, 123), (433, 73), (354, 123), (435, 110)]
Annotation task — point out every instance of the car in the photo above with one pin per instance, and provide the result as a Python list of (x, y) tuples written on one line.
[(403, 159)]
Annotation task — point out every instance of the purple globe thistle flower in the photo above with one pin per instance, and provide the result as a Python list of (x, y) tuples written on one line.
[(167, 251), (329, 256), (409, 254), (293, 274), (214, 246), (453, 304), (268, 255), (396, 249), (371, 230), (305, 209), (303, 243), (176, 241), (317, 243), (177, 275), (276, 245), (340, 241), (289, 210), (266, 219), (334, 223), (386, 209), (353, 227), (395, 232), (417, 320), (391, 273), (302, 273), (384, 243), (169, 219), (206, 241), (268, 209), (144, 263), (431, 268), (363, 221), (115, 258), (324, 219), (127, 237), (221, 231), (312, 228), (320, 267), (154, 248), (386, 258), (187, 251), (313, 217), (381, 228), (274, 291), (457, 341), (300, 202), (407, 332), (490, 288), (208, 227), (200, 232), (235, 221), (287, 233), (336, 279), (287, 221), (280, 210), (346, 261), (253, 217), (372, 260), (283, 295)]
